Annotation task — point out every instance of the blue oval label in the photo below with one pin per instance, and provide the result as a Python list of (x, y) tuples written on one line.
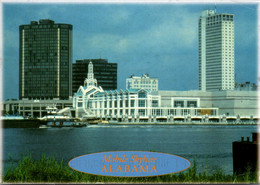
[(129, 163)]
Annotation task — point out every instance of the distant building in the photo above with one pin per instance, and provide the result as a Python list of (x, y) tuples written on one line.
[(105, 73), (143, 82), (247, 86), (45, 60), (216, 51), (131, 105), (142, 105), (169, 106), (33, 108)]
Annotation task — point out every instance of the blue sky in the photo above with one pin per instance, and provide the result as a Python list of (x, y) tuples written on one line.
[(158, 39)]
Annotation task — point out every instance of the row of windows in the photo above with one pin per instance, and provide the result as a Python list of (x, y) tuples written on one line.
[(158, 112), (145, 82), (181, 103), (110, 104), (47, 27)]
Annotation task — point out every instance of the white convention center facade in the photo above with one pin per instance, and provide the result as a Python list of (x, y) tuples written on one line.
[(136, 105)]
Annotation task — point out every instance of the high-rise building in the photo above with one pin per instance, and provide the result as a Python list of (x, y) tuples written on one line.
[(45, 60), (105, 73), (143, 82), (216, 51)]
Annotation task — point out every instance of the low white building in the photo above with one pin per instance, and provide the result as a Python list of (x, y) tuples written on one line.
[(143, 82), (143, 105), (135, 105)]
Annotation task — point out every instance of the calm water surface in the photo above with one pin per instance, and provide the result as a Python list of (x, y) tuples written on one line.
[(210, 145)]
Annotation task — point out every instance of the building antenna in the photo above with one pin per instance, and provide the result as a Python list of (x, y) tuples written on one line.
[(215, 7)]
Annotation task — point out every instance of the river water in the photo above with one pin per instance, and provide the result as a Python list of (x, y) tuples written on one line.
[(211, 146)]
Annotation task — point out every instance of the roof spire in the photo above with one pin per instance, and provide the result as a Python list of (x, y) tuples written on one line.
[(90, 80)]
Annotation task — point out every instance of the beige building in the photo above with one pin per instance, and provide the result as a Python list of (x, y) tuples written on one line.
[(143, 82), (216, 51)]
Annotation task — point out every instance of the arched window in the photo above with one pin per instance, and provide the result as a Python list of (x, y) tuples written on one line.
[(142, 94)]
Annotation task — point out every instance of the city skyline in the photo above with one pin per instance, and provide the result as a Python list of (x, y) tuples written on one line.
[(117, 32)]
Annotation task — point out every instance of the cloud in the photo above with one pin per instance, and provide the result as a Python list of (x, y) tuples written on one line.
[(159, 39), (118, 17), (166, 35)]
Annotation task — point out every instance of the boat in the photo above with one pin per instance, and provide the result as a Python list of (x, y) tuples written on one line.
[(52, 119), (103, 122), (93, 121), (79, 124), (65, 123), (14, 121)]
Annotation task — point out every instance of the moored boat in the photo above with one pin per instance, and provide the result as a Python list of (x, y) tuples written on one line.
[(13, 121), (61, 124)]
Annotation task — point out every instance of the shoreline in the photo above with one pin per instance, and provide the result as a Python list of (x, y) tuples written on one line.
[(35, 123), (183, 123)]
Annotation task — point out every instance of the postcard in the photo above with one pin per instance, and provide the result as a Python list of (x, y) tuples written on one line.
[(133, 92)]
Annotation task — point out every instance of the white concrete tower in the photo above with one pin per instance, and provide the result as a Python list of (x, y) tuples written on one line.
[(216, 51), (90, 80)]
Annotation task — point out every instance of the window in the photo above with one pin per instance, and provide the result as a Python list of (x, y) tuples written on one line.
[(142, 95), (154, 103), (178, 103), (186, 111), (172, 112), (192, 103), (132, 103), (213, 112), (141, 103), (90, 104), (141, 112)]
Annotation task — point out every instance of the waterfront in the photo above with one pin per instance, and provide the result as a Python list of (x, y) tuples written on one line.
[(210, 145)]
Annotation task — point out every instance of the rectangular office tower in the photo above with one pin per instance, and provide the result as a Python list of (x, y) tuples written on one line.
[(216, 51), (104, 72), (45, 60)]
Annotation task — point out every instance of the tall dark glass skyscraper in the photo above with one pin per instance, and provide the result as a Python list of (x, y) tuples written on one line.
[(45, 60), (105, 73)]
